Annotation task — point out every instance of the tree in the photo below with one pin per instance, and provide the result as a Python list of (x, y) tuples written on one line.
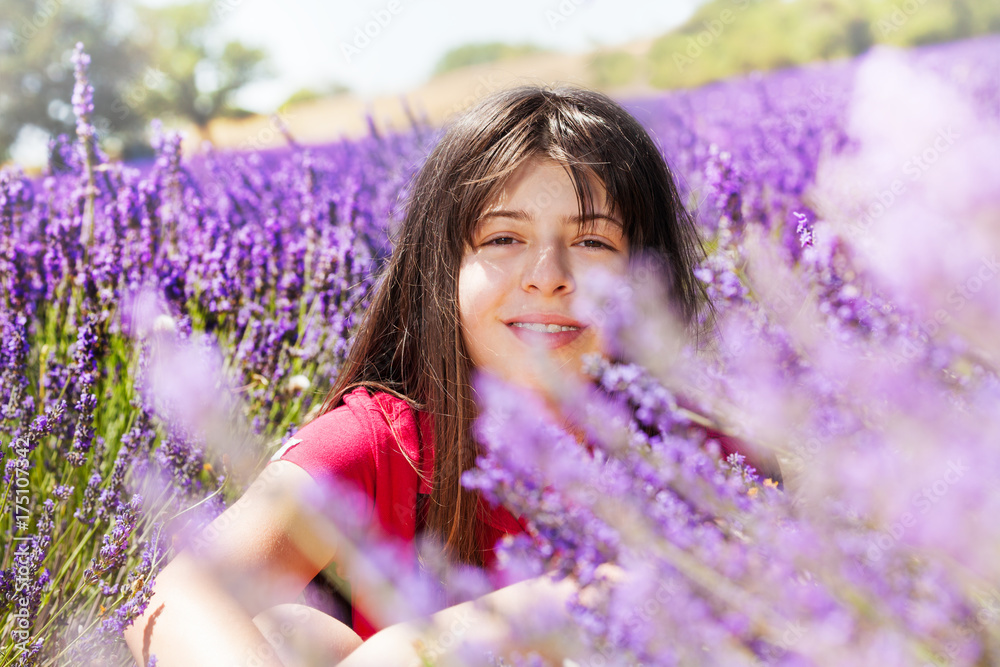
[(144, 62), (36, 76), (199, 80)]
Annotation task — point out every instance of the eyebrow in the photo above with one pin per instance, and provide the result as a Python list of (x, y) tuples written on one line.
[(523, 216)]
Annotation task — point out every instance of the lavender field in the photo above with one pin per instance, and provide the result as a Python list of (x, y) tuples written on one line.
[(165, 329)]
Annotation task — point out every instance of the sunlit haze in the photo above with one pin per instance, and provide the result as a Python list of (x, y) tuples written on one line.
[(307, 39)]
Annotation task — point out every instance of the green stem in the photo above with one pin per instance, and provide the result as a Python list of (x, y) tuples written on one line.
[(56, 615), (72, 559)]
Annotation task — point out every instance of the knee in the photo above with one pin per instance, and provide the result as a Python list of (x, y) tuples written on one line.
[(302, 635)]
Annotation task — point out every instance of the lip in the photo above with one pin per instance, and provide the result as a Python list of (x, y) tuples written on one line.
[(546, 340)]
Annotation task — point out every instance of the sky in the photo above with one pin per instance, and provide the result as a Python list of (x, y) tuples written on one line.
[(378, 47), (388, 46)]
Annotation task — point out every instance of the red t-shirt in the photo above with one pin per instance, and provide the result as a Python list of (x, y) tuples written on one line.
[(373, 442)]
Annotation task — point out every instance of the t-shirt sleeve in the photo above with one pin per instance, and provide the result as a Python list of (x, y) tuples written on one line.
[(372, 442), (336, 447)]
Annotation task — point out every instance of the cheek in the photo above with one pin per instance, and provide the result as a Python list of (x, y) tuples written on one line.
[(482, 288), (472, 292), (476, 309), (618, 264)]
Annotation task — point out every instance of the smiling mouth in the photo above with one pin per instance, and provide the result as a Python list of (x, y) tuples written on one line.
[(547, 335), (543, 328)]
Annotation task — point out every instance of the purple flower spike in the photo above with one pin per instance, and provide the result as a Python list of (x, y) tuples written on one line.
[(83, 96)]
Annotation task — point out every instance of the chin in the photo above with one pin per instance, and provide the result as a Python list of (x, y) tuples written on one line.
[(568, 373)]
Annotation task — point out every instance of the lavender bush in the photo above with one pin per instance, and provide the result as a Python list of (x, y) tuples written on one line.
[(164, 329)]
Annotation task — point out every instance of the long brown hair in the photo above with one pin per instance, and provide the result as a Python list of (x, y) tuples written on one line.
[(410, 341)]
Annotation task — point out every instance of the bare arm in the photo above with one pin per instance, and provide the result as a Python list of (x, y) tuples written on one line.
[(260, 552), (481, 623), (191, 620)]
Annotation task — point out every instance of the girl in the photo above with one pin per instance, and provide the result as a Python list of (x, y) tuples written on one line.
[(525, 194)]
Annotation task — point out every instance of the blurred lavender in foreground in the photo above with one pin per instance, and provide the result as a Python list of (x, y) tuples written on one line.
[(880, 548)]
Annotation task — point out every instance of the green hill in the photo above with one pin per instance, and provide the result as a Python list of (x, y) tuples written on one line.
[(725, 38)]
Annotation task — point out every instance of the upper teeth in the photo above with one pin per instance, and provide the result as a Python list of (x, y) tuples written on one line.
[(544, 328)]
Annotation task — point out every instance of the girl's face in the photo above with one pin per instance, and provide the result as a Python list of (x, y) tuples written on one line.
[(518, 280)]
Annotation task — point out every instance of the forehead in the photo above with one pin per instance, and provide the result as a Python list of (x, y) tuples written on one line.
[(541, 183)]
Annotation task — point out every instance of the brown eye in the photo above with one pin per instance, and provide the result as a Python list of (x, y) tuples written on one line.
[(501, 240)]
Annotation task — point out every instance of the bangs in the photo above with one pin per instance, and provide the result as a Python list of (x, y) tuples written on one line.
[(569, 137)]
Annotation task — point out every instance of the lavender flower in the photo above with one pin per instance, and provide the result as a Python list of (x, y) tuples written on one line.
[(115, 543), (804, 229), (723, 182), (85, 366), (83, 94)]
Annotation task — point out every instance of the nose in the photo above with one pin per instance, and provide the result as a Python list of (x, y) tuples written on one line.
[(548, 271)]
